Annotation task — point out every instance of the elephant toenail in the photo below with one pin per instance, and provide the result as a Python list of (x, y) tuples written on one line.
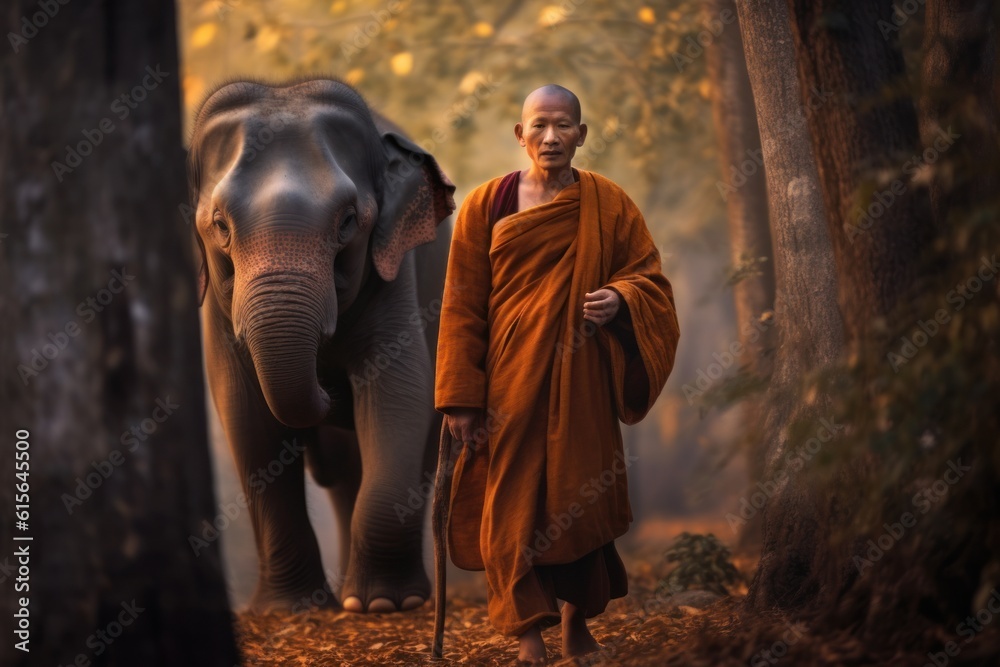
[(353, 603), (412, 602), (381, 606)]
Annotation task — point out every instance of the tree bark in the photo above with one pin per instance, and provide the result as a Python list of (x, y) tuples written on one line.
[(808, 323), (101, 351), (864, 132)]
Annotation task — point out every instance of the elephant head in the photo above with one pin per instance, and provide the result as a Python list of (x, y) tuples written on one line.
[(298, 194)]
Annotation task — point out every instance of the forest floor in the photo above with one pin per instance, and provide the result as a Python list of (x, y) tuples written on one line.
[(646, 628)]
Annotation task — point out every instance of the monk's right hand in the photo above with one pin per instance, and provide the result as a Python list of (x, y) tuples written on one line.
[(463, 423)]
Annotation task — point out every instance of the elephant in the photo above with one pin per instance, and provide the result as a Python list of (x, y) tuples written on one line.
[(322, 270)]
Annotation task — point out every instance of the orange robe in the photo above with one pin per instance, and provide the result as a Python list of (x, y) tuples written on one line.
[(548, 485)]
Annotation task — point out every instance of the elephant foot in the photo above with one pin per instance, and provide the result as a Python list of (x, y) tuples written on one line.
[(386, 594), (383, 605)]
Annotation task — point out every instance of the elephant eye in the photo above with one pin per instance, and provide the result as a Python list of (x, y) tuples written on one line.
[(348, 226), (221, 225)]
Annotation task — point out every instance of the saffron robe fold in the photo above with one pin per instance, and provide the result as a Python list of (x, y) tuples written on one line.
[(549, 483)]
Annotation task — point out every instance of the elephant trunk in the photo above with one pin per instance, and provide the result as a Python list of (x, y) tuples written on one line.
[(281, 323)]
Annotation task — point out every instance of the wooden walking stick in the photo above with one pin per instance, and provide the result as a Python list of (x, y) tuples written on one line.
[(439, 524)]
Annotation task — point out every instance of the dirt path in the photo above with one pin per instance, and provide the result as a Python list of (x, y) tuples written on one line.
[(643, 628), (634, 630)]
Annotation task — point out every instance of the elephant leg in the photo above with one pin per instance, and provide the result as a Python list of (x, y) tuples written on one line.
[(270, 460), (335, 463), (271, 467), (393, 413)]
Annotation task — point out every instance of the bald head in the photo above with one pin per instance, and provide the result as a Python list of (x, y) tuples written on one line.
[(551, 95)]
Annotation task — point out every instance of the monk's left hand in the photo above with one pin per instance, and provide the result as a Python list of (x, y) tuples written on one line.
[(601, 306)]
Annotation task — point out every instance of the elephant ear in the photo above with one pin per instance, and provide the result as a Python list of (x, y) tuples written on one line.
[(416, 196), (202, 271)]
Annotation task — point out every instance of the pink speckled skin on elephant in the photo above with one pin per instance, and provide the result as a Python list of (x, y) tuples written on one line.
[(323, 268)]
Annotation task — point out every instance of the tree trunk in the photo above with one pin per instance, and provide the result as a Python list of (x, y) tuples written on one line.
[(957, 90), (743, 187), (97, 299), (865, 132), (808, 323)]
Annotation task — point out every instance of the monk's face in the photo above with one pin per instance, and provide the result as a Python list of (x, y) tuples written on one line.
[(550, 131)]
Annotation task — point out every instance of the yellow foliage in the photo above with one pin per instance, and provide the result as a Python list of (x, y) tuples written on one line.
[(338, 7), (194, 88), (611, 126), (482, 29), (470, 81), (354, 76), (203, 35), (402, 63), (267, 38), (551, 15), (647, 15)]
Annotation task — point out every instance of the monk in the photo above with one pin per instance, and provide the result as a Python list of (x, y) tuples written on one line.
[(556, 324)]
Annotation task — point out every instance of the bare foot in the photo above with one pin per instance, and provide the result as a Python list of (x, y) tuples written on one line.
[(576, 638), (532, 651)]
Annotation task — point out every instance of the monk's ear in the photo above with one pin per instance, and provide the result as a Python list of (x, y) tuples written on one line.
[(583, 134), (519, 133), (416, 196)]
